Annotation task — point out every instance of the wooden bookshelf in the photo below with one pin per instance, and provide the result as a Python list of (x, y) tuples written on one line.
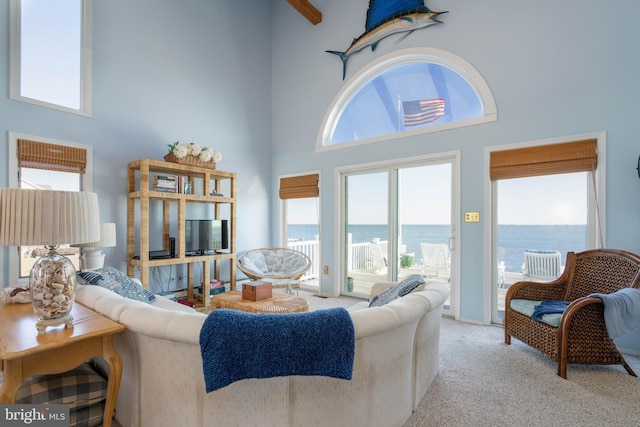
[(204, 182)]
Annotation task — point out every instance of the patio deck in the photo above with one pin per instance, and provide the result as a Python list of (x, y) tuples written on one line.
[(359, 260)]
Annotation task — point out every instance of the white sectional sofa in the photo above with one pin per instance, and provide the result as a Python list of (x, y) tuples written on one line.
[(396, 359)]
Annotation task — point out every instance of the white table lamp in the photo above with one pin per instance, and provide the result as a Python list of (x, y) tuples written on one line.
[(49, 218), (92, 257)]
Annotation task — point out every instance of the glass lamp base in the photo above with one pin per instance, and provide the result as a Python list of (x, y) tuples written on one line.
[(52, 287), (42, 324)]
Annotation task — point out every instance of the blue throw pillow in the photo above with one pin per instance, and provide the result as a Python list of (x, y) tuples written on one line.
[(406, 286), (116, 281)]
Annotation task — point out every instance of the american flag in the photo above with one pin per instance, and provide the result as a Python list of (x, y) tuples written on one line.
[(422, 111)]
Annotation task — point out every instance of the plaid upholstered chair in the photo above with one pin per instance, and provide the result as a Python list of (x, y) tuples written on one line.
[(578, 334)]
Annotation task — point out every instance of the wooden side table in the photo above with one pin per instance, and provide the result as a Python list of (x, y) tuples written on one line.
[(25, 353)]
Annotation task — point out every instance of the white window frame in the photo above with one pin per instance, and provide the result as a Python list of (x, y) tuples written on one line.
[(406, 56), (340, 232), (596, 212), (85, 62), (14, 182)]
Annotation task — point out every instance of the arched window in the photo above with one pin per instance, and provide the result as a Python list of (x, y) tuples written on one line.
[(411, 91)]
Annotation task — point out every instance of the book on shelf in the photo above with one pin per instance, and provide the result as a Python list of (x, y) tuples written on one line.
[(164, 183), (172, 184)]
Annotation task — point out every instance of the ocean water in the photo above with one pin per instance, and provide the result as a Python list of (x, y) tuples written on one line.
[(513, 240)]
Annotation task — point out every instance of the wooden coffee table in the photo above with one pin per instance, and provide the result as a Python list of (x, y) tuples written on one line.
[(278, 303)]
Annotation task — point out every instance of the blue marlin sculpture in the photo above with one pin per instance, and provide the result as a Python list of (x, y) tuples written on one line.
[(387, 17)]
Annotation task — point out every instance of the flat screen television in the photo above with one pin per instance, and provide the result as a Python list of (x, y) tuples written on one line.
[(205, 236)]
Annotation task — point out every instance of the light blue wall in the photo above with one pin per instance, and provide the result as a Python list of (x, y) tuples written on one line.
[(166, 70), (555, 69)]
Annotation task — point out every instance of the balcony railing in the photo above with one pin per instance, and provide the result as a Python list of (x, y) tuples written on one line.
[(359, 255), (311, 248)]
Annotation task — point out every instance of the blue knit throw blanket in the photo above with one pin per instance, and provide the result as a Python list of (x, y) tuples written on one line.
[(236, 345), (548, 307)]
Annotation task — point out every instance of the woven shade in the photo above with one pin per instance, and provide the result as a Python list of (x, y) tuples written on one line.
[(51, 218), (299, 187), (107, 237), (577, 156), (40, 155)]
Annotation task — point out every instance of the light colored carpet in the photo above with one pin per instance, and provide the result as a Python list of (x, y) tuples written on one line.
[(484, 382)]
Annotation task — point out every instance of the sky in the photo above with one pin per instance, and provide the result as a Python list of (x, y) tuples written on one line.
[(49, 180), (545, 200), (50, 59)]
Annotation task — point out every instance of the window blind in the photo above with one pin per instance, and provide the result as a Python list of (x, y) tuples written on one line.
[(568, 157), (40, 155), (299, 187)]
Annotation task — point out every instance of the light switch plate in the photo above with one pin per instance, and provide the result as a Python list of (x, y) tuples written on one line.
[(472, 217)]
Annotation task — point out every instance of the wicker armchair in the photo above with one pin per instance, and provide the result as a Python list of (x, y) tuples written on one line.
[(581, 336), (280, 266)]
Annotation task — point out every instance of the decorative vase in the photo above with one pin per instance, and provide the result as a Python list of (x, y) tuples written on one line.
[(53, 287)]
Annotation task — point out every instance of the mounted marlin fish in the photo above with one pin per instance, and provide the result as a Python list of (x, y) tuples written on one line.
[(388, 17)]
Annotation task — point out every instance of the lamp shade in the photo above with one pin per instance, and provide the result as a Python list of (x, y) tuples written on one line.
[(44, 217), (107, 237), (49, 218)]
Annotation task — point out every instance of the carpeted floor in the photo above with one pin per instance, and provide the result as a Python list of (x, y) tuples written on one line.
[(484, 382)]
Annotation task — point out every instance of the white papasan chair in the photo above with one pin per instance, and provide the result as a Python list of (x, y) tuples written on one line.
[(283, 267)]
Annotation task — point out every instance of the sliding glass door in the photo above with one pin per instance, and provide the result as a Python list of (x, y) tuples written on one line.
[(397, 221)]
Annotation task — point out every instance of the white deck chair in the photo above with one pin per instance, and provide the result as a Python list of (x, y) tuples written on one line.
[(542, 266), (435, 261), (378, 260)]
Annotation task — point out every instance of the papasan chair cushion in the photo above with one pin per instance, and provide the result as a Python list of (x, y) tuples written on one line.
[(281, 266)]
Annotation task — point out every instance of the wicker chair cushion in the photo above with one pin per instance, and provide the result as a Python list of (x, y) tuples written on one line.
[(526, 307)]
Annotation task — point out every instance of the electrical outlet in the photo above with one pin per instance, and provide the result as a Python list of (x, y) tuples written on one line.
[(326, 269)]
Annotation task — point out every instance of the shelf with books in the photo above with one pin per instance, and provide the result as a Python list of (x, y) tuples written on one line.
[(172, 184), (151, 180)]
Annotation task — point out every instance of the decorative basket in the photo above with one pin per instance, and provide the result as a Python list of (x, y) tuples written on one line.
[(189, 160)]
